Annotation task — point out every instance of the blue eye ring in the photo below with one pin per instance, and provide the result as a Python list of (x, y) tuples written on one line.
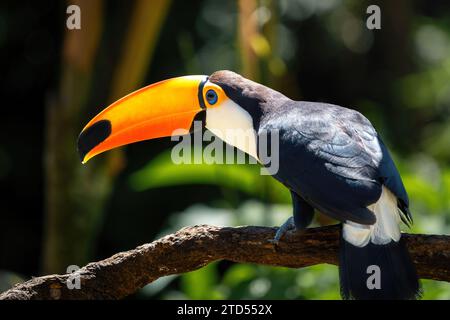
[(211, 96)]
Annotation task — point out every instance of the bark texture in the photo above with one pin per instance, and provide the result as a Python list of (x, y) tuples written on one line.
[(194, 247)]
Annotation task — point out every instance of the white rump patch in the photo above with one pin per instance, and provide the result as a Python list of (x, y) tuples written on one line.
[(386, 229)]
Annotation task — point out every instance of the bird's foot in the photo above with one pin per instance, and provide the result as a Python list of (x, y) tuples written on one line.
[(288, 225)]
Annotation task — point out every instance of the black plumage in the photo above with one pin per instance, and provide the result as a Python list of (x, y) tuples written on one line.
[(398, 279), (303, 212), (332, 159), (331, 156)]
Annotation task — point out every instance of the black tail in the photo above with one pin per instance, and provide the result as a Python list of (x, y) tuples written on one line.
[(383, 272)]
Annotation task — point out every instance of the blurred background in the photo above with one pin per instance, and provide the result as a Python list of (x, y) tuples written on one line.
[(56, 212)]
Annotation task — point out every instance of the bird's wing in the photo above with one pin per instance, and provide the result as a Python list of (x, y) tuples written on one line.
[(392, 180), (333, 158)]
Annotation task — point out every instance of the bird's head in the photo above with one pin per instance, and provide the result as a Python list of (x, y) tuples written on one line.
[(224, 100)]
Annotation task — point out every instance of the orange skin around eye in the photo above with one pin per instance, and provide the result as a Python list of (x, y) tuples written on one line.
[(221, 96)]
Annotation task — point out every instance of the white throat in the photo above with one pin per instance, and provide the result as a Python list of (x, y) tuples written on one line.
[(234, 125)]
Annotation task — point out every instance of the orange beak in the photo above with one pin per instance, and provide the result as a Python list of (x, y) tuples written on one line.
[(151, 112)]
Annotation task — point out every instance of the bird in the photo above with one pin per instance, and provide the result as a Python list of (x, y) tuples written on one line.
[(331, 159)]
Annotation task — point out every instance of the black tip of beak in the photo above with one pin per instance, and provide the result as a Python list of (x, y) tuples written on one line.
[(92, 136)]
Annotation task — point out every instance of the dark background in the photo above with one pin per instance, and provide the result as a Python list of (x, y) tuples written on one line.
[(397, 76)]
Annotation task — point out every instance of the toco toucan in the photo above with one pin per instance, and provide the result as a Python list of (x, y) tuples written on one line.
[(330, 158)]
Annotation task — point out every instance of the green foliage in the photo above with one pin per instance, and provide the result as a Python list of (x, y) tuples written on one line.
[(244, 281), (398, 77), (419, 97), (430, 206), (406, 95), (202, 284), (162, 172)]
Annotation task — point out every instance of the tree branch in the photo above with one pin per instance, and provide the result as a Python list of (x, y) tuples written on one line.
[(194, 247)]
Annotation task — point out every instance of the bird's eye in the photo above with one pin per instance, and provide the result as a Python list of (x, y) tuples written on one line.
[(211, 96)]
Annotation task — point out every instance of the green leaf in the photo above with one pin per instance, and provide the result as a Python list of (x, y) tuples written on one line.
[(162, 172), (202, 283)]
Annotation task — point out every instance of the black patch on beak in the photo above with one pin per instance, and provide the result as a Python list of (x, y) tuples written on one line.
[(200, 93), (92, 136), (201, 117)]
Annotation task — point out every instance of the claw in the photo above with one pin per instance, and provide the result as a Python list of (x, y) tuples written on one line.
[(282, 230)]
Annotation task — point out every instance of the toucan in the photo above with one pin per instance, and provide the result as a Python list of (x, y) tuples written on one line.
[(330, 158)]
